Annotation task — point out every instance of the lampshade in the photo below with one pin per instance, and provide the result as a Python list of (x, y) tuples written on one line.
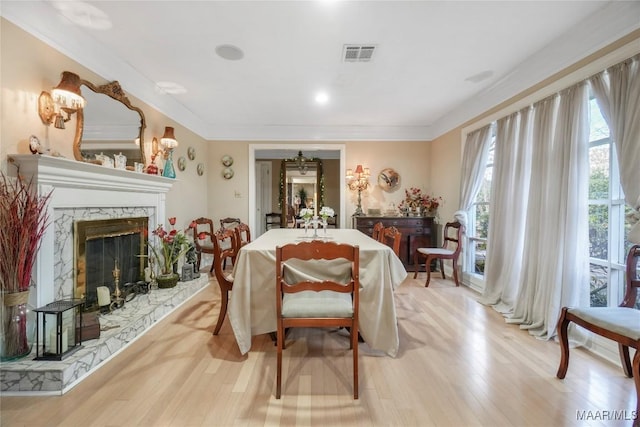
[(67, 94), (168, 139), (359, 169)]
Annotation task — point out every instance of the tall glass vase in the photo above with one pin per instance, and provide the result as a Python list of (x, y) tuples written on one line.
[(17, 326), (168, 170)]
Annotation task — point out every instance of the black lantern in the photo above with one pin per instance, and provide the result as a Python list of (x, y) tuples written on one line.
[(57, 329)]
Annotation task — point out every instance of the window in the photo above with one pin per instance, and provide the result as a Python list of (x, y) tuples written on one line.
[(478, 221), (609, 219)]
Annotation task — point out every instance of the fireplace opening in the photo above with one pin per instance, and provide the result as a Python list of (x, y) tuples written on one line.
[(100, 246)]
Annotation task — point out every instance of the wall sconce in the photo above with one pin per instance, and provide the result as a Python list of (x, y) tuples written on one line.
[(360, 182), (66, 96), (165, 149)]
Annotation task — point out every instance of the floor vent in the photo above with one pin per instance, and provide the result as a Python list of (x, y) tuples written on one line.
[(358, 53)]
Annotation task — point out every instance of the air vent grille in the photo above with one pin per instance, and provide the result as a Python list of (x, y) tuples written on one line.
[(358, 53)]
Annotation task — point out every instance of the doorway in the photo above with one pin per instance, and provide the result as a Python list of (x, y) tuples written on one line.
[(281, 151)]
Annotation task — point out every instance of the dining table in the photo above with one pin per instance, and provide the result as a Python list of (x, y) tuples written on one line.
[(252, 304)]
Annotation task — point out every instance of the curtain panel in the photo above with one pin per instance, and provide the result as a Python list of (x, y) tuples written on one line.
[(474, 161), (539, 187)]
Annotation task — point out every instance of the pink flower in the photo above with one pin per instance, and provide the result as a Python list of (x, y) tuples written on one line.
[(172, 220)]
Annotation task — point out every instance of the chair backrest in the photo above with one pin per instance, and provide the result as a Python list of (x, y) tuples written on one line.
[(318, 250), (452, 236), (633, 278), (391, 237), (203, 225), (229, 222), (223, 248), (272, 220), (378, 227), (243, 235), (290, 217)]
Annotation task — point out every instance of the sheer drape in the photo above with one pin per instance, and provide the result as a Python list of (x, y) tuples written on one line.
[(474, 161), (539, 186), (617, 91)]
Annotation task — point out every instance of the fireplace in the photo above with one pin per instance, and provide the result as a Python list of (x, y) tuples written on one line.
[(102, 245)]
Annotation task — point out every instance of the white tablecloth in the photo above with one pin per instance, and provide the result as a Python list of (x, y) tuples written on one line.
[(252, 305)]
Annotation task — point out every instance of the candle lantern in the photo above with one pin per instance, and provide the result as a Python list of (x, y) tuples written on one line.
[(56, 327)]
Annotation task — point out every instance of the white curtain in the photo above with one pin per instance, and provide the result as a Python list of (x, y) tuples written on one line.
[(539, 187), (474, 162), (617, 91)]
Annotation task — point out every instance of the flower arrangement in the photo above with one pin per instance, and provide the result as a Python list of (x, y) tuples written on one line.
[(171, 246), (326, 212), (23, 215), (306, 213), (416, 199)]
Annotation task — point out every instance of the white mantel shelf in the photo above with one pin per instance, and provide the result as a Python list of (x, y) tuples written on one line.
[(62, 172)]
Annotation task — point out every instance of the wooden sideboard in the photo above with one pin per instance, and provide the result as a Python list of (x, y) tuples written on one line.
[(416, 232)]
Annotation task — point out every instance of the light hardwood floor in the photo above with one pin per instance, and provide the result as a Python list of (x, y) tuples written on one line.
[(459, 364)]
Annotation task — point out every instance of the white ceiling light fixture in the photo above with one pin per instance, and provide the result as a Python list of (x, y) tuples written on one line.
[(358, 52), (322, 98), (229, 52)]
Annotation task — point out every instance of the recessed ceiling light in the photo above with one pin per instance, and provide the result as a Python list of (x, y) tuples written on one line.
[(170, 88), (322, 97), (230, 52), (84, 14)]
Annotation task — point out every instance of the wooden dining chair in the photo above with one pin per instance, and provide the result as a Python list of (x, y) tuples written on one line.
[(451, 247), (230, 223), (378, 227), (223, 248), (272, 220), (325, 302), (391, 237), (203, 228), (243, 237)]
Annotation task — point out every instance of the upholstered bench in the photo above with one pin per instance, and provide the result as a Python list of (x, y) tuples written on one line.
[(621, 324)]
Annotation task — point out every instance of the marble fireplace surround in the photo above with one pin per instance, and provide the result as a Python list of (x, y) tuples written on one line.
[(87, 191)]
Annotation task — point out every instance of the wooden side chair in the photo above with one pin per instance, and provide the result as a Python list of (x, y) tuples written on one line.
[(223, 244), (272, 220), (230, 223), (391, 237), (243, 237), (378, 227), (451, 247), (204, 228), (621, 324), (317, 304)]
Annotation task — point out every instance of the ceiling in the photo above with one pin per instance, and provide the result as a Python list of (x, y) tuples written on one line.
[(436, 64)]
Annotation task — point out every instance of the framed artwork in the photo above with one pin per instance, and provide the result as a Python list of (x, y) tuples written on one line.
[(388, 179)]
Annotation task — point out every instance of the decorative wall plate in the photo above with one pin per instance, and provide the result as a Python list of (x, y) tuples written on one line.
[(227, 173), (191, 152), (200, 168), (182, 163), (388, 179), (227, 160)]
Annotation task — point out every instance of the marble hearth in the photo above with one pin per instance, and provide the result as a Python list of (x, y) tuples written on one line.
[(84, 191)]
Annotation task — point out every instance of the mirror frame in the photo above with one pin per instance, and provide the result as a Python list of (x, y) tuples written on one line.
[(283, 185), (113, 90)]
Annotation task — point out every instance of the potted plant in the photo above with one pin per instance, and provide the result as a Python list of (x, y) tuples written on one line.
[(170, 246), (23, 215)]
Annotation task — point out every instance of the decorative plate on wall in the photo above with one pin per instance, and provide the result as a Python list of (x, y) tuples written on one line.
[(227, 160), (182, 163), (191, 152), (200, 168), (388, 179), (227, 173)]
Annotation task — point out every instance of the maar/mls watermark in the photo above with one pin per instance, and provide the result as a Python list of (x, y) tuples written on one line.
[(606, 415)]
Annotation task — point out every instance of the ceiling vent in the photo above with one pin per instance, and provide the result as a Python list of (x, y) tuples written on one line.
[(358, 52)]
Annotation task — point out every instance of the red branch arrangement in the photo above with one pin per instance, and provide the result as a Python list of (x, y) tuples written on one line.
[(24, 218)]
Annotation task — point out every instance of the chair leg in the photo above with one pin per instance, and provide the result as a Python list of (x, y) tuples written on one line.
[(280, 339), (354, 345), (455, 272), (625, 360), (198, 260), (223, 311), (416, 261), (636, 380), (563, 324), (427, 266), (442, 268)]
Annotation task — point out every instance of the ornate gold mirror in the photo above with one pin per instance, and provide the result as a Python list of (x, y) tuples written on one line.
[(301, 186), (108, 122)]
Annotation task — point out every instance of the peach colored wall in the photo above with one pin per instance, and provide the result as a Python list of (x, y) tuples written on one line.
[(446, 158), (28, 67)]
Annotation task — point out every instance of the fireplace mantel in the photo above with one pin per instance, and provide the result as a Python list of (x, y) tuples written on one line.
[(86, 190)]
